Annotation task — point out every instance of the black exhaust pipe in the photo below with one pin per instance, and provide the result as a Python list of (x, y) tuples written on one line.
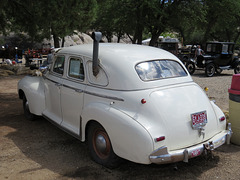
[(97, 36)]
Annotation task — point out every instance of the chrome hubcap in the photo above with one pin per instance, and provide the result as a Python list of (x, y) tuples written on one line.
[(101, 144)]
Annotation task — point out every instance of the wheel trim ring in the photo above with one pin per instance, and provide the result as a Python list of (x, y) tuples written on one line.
[(190, 68), (210, 71), (103, 154), (238, 69)]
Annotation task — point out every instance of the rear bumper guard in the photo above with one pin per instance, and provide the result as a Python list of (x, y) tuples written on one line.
[(162, 156)]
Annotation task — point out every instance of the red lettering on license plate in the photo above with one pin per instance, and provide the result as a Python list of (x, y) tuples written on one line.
[(196, 153), (199, 119)]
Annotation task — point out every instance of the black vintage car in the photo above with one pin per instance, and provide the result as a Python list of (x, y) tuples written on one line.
[(218, 56)]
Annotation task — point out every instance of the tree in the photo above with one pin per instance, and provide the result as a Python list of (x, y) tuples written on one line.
[(222, 20), (61, 18), (41, 19), (187, 18)]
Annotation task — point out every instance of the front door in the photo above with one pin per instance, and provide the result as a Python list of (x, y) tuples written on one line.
[(53, 88)]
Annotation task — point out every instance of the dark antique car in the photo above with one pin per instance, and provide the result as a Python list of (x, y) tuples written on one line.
[(218, 56)]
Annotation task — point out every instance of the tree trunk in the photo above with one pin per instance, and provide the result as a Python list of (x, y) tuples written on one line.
[(56, 41), (236, 38), (130, 38), (63, 41), (154, 39), (119, 36)]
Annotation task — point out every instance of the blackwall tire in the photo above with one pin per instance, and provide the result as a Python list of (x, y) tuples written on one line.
[(28, 115), (100, 147), (210, 70), (190, 67), (237, 69)]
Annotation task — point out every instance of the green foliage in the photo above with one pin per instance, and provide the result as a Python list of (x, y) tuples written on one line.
[(195, 21), (41, 19)]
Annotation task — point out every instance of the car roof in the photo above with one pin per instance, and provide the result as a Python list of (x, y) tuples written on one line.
[(119, 61), (131, 51)]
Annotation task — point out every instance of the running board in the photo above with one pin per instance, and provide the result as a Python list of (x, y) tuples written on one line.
[(225, 67)]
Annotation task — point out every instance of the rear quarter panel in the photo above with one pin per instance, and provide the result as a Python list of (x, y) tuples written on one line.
[(129, 139)]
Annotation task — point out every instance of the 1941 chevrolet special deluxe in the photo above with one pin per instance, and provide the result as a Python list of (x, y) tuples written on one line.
[(126, 101)]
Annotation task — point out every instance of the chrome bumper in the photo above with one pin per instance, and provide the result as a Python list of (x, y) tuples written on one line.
[(162, 156)]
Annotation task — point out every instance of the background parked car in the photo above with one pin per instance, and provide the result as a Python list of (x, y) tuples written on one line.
[(218, 56)]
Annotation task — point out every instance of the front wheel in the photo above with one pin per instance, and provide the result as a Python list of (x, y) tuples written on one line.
[(28, 115), (190, 67), (210, 70), (100, 147), (237, 69)]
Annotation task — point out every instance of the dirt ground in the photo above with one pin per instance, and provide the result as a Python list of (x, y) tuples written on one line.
[(39, 150)]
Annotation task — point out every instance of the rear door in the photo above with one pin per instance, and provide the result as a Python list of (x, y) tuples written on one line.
[(72, 94)]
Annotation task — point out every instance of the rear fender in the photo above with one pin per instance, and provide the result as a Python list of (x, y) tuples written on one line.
[(129, 139), (33, 88), (219, 114)]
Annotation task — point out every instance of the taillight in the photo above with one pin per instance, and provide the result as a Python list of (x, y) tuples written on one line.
[(161, 138), (143, 101), (222, 118)]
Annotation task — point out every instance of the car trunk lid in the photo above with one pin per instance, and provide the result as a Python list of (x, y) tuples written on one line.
[(176, 106)]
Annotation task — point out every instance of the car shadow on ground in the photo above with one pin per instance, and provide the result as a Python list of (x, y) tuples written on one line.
[(50, 148)]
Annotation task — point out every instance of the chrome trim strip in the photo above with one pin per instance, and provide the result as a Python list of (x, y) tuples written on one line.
[(51, 80), (88, 92), (104, 96), (70, 87), (55, 74)]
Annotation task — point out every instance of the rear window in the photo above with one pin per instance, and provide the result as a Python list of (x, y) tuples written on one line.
[(159, 69)]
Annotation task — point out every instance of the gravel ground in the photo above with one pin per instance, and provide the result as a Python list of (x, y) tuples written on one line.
[(218, 86), (39, 150)]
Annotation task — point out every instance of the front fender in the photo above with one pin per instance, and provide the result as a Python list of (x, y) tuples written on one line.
[(33, 89), (129, 139)]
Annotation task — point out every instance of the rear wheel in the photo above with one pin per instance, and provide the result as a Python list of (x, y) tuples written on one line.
[(190, 67), (28, 115), (100, 147), (210, 70), (237, 69)]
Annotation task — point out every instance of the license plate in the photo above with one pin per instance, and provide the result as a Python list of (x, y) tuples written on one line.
[(196, 153), (199, 119)]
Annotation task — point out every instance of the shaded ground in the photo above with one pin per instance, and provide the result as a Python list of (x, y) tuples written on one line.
[(38, 150)]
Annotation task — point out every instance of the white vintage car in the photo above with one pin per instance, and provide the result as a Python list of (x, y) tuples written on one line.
[(128, 102)]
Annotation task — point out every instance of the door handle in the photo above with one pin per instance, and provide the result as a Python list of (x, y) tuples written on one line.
[(79, 90), (58, 84)]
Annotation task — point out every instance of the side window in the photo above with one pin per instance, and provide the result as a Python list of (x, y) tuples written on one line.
[(76, 68), (59, 65), (101, 79), (225, 49)]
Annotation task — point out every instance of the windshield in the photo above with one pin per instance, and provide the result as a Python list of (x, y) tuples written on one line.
[(159, 69)]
